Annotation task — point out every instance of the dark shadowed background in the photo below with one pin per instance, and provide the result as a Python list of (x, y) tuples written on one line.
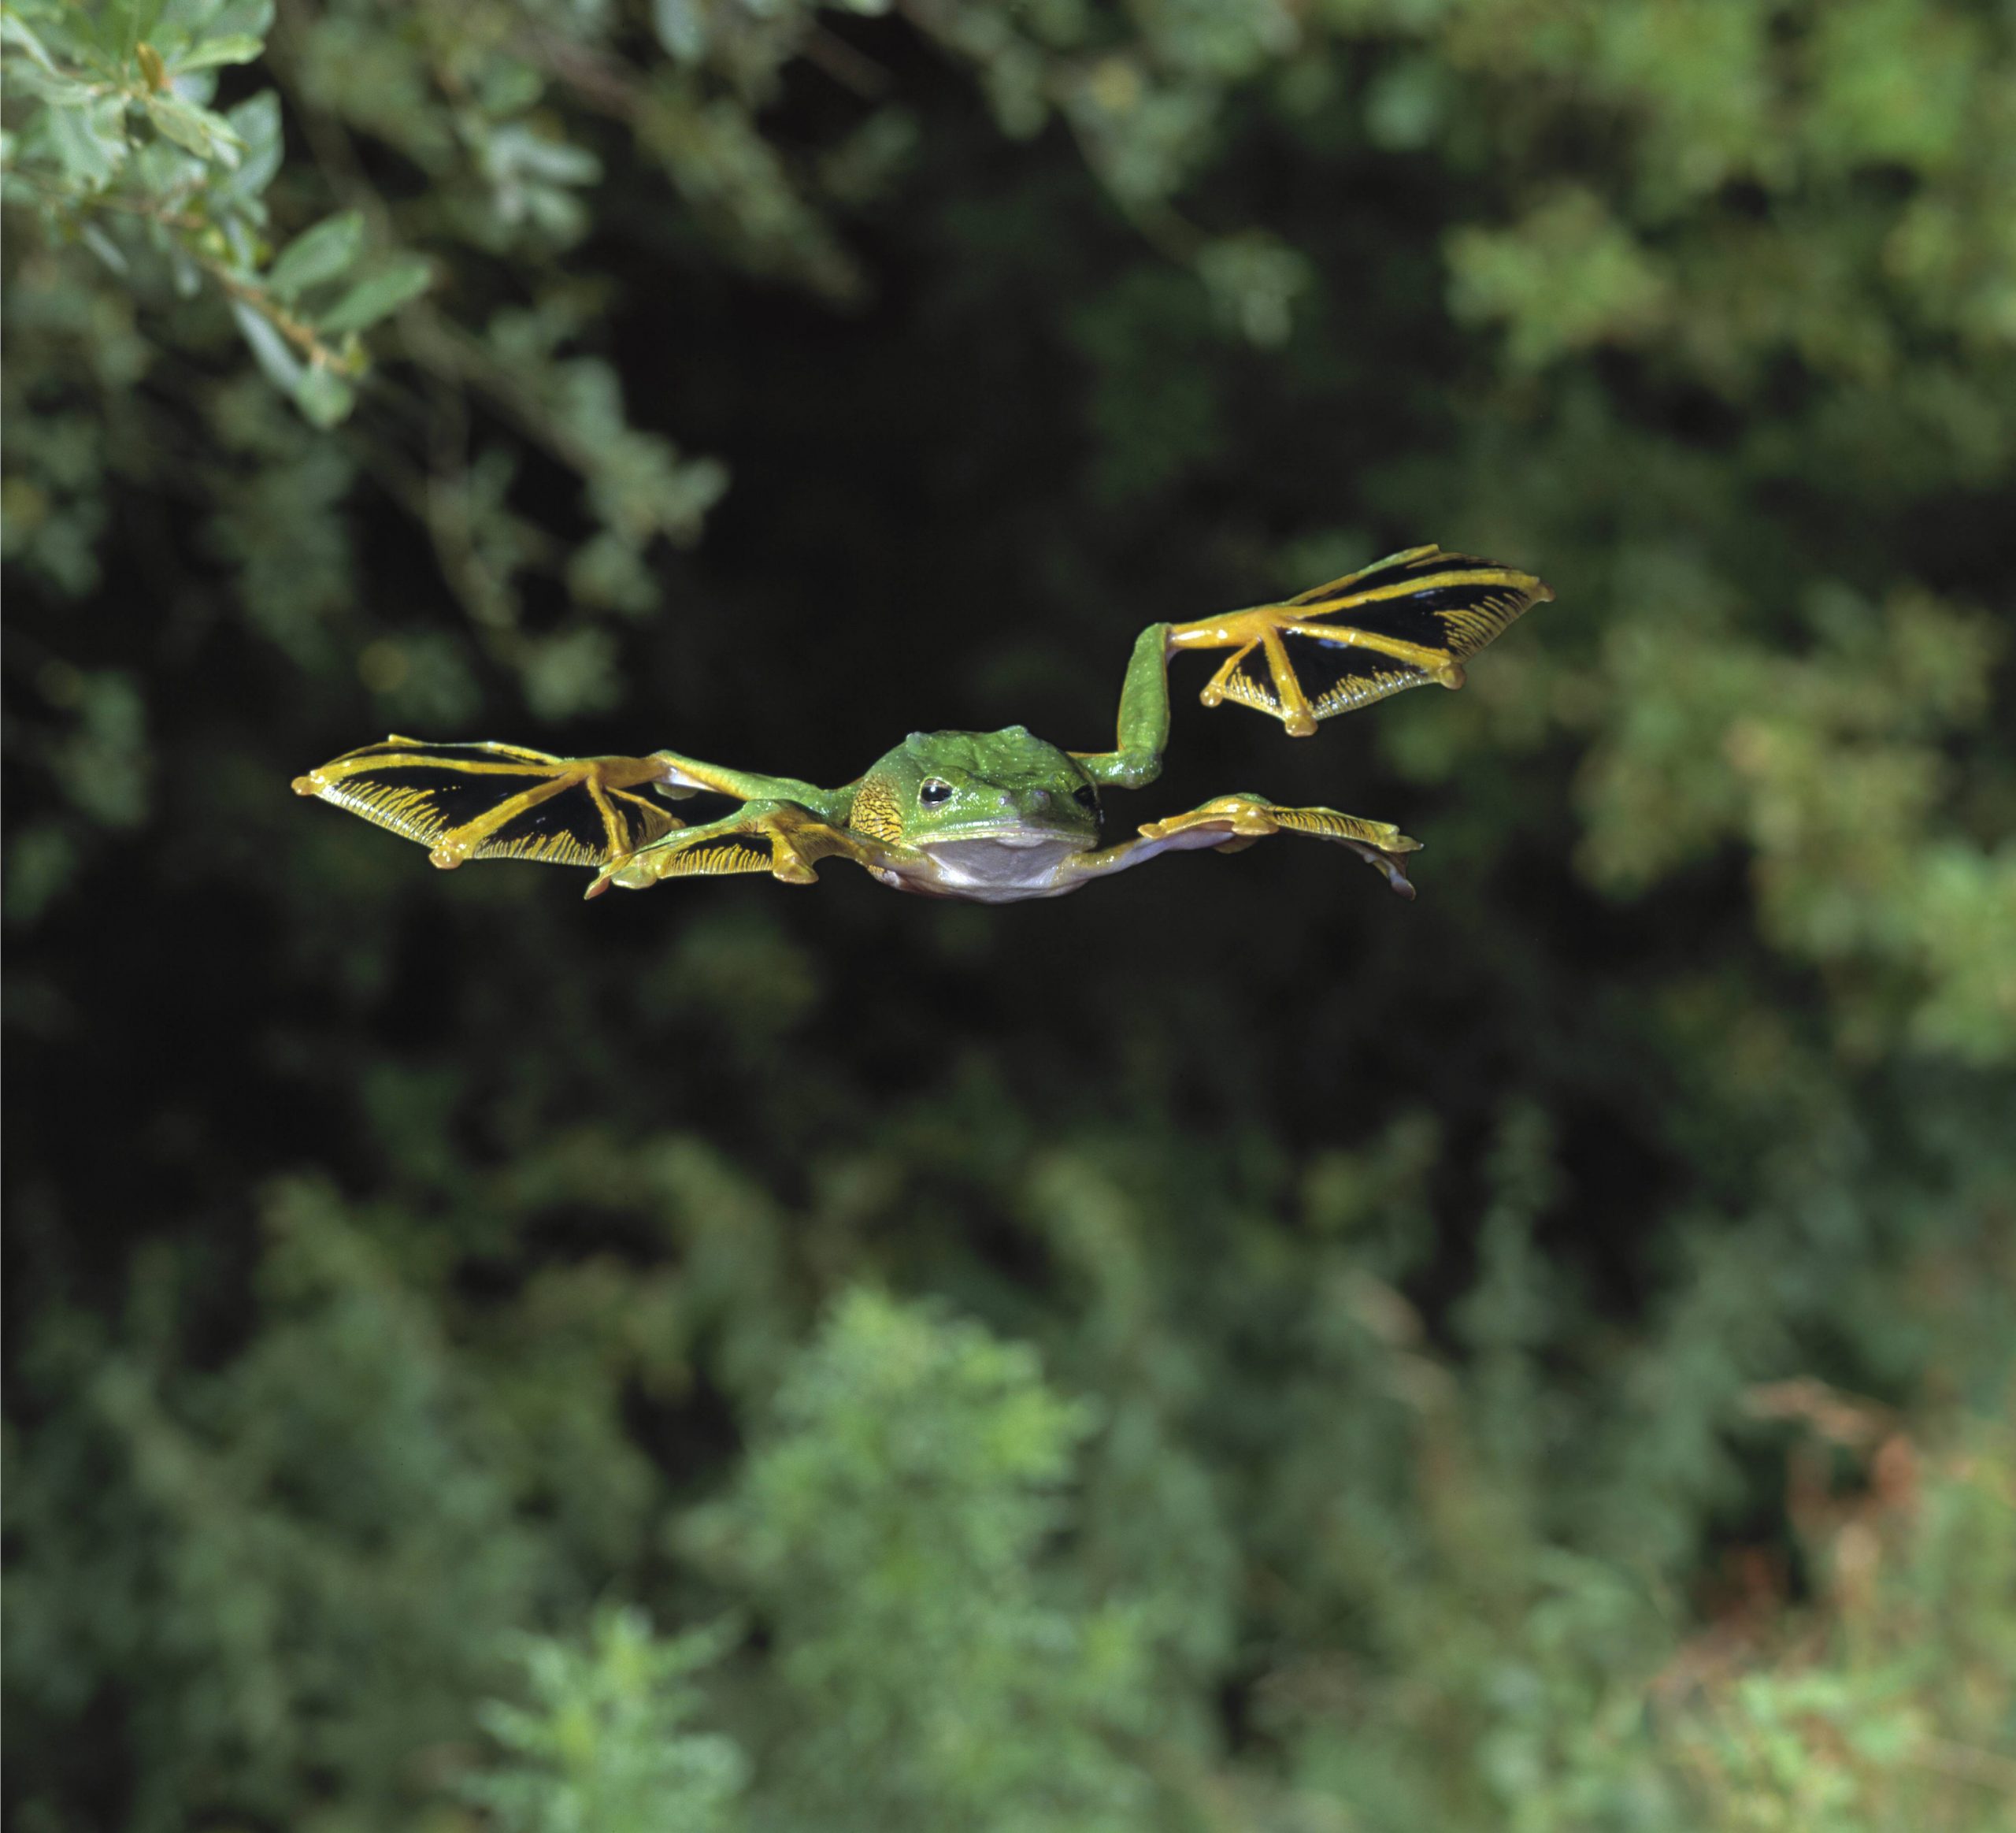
[(1228, 1349)]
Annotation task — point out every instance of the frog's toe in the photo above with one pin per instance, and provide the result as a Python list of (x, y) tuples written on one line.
[(1395, 868)]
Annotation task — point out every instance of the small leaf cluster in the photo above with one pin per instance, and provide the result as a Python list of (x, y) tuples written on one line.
[(603, 1744), (112, 142)]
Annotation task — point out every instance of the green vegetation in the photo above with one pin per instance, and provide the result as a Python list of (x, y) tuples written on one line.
[(1227, 1351)]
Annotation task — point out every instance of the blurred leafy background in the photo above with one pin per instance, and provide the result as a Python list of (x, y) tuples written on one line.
[(1228, 1351)]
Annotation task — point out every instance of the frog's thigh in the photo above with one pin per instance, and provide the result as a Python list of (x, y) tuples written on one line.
[(780, 838)]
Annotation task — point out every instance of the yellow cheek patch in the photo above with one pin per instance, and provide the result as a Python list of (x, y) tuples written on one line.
[(875, 814)]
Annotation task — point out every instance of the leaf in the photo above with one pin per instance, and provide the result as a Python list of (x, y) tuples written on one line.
[(179, 124), (90, 143), (515, 152), (1253, 280), (282, 366), (197, 130), (383, 293), (318, 255), (238, 48), (257, 122), (151, 67), (237, 18), (121, 24), (323, 397), (681, 29), (64, 91), (15, 31)]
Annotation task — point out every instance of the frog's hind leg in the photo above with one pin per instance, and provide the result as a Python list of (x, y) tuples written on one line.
[(491, 801), (1230, 824), (782, 838), (1241, 820)]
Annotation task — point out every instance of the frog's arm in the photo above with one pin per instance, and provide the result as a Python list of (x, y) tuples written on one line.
[(490, 801), (680, 776), (1230, 824), (1411, 618), (1137, 760)]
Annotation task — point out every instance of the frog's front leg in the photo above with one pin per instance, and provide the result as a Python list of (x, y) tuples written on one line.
[(680, 776), (785, 839), (1230, 823), (1413, 618), (1137, 760)]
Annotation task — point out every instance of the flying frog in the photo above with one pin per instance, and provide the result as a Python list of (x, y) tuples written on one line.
[(988, 817)]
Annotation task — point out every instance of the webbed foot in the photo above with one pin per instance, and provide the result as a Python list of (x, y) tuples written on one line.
[(780, 838), (1231, 823), (491, 801), (1411, 618)]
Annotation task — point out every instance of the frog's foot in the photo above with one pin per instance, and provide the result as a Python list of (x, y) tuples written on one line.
[(490, 801), (1411, 618), (780, 838), (1232, 823)]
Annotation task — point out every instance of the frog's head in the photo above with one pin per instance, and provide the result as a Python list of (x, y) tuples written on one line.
[(945, 789)]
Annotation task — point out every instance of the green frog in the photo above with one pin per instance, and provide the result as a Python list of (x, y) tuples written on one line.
[(988, 817)]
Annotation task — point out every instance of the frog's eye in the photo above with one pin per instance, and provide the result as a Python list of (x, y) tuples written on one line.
[(1086, 796), (935, 791)]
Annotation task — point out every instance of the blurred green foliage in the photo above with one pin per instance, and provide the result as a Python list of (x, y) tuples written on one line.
[(604, 1744), (889, 1533), (1223, 1352)]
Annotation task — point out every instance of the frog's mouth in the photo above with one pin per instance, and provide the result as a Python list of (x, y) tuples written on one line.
[(1005, 863), (1019, 835)]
